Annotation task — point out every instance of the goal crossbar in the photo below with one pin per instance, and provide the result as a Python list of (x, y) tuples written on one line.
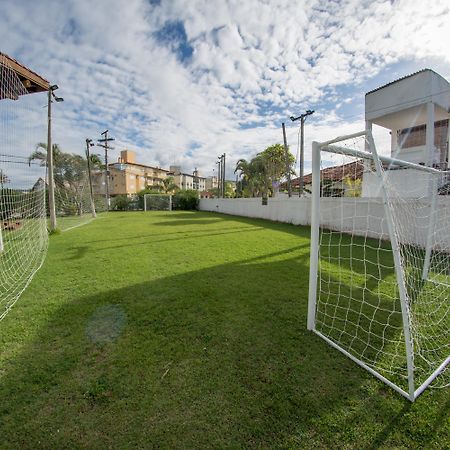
[(386, 159)]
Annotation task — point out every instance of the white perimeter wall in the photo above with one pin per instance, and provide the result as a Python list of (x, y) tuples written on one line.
[(365, 216)]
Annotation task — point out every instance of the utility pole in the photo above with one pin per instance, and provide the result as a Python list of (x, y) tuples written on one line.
[(302, 118), (223, 175), (90, 144), (50, 168), (288, 166), (104, 144), (219, 176)]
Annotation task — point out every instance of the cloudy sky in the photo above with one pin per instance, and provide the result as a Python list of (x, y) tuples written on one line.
[(182, 81)]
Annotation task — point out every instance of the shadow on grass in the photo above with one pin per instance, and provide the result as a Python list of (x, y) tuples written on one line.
[(206, 359), (137, 241)]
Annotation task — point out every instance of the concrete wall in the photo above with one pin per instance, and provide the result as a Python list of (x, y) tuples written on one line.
[(362, 216), (281, 209)]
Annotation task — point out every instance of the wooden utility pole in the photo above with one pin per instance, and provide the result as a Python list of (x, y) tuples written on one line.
[(104, 144), (302, 118), (302, 157), (89, 144), (288, 165)]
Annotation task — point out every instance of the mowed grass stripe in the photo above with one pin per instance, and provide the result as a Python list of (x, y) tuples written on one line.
[(187, 330)]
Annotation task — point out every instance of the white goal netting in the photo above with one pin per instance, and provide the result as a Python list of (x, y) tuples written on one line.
[(73, 202), (383, 269), (23, 229)]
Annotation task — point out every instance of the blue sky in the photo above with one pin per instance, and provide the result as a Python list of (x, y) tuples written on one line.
[(181, 82)]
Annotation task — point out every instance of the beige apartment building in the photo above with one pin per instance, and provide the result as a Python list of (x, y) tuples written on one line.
[(187, 181), (127, 177)]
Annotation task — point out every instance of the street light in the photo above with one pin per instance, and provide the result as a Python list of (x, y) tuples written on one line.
[(302, 118), (90, 144), (51, 187)]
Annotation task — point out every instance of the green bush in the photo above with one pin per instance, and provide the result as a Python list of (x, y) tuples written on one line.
[(120, 203), (186, 200)]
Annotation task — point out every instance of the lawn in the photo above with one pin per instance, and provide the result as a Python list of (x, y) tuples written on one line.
[(188, 330)]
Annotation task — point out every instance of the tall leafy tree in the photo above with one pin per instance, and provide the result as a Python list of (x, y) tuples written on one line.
[(261, 173), (168, 186), (69, 171), (96, 162)]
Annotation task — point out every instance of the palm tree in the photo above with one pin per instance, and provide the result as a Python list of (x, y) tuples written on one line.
[(246, 174), (254, 175), (168, 186), (69, 172), (96, 162), (40, 154)]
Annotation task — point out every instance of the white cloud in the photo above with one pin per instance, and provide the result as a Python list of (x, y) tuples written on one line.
[(253, 64)]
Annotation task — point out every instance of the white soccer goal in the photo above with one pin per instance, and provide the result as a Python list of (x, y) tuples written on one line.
[(23, 227), (157, 202), (380, 262)]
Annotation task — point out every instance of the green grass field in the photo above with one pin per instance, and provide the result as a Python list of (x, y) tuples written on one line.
[(188, 330)]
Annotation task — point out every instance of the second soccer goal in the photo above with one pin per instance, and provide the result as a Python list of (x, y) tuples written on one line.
[(157, 202)]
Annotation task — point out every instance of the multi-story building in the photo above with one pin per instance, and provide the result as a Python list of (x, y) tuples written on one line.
[(211, 183), (187, 181), (127, 177)]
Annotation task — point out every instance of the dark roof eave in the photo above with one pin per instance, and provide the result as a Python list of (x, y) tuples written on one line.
[(32, 82)]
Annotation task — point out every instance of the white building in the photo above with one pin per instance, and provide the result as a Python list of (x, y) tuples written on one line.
[(211, 183), (187, 181), (416, 110)]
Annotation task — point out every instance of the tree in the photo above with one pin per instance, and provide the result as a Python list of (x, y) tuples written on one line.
[(229, 189), (120, 203), (69, 171), (253, 175), (274, 158), (3, 178), (96, 162), (264, 171), (353, 188), (186, 199), (168, 186)]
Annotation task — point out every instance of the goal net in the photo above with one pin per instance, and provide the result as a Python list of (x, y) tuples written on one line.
[(23, 228), (380, 262), (157, 202), (74, 203)]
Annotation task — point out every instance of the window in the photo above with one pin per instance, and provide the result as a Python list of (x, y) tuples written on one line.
[(412, 137), (416, 136)]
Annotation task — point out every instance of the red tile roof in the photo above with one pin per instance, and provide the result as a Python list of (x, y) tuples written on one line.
[(354, 170)]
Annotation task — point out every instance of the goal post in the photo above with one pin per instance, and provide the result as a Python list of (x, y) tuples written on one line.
[(380, 262), (157, 202)]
